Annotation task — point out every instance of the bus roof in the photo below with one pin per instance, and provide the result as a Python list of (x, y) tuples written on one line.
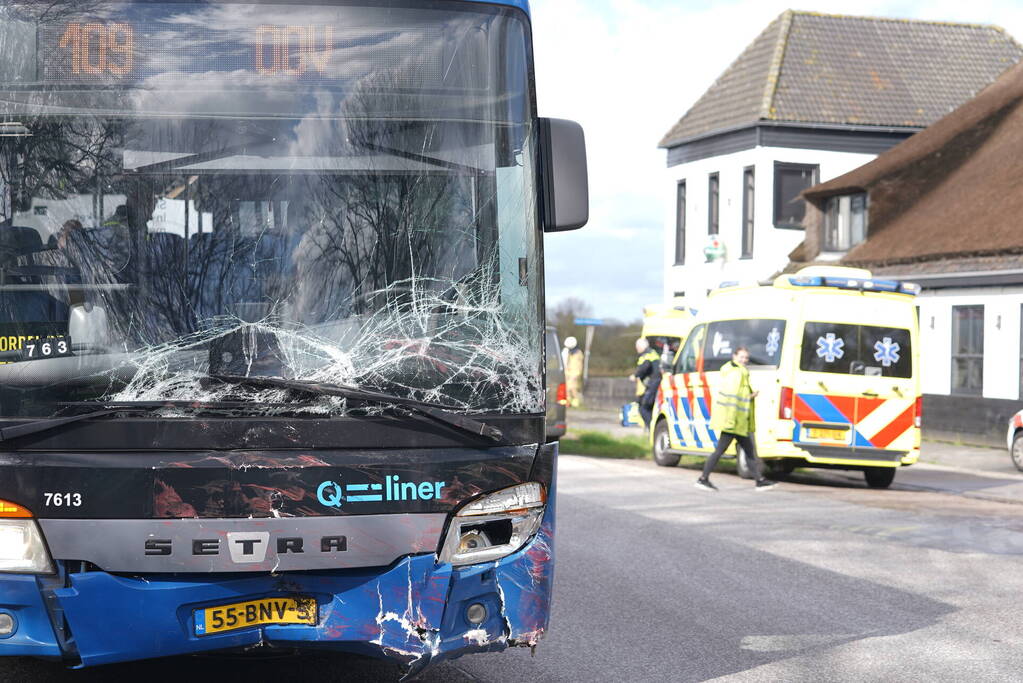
[(521, 4)]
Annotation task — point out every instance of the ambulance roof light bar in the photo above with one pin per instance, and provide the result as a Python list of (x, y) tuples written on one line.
[(865, 285)]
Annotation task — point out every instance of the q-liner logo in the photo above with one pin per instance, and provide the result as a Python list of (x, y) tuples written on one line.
[(334, 495)]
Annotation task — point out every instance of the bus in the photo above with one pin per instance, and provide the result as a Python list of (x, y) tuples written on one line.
[(835, 359), (271, 311)]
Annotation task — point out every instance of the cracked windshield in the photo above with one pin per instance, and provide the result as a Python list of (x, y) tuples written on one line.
[(197, 190)]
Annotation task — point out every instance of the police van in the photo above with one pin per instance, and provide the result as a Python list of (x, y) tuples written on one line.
[(834, 355)]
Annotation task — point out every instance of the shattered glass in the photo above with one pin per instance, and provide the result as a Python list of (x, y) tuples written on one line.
[(369, 222)]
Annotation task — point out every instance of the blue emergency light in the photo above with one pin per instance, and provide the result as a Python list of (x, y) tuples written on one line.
[(856, 283)]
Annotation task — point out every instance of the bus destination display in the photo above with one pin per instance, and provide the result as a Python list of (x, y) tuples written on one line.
[(116, 50)]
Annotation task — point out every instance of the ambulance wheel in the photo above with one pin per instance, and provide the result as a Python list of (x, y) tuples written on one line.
[(662, 444), (742, 463), (879, 477), (1017, 451), (781, 467)]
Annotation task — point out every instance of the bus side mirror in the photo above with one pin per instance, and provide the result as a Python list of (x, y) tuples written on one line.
[(565, 187)]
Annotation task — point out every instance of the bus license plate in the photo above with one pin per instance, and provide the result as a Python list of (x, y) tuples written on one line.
[(300, 610), (818, 434)]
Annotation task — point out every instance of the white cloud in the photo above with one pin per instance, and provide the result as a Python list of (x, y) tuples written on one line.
[(627, 70)]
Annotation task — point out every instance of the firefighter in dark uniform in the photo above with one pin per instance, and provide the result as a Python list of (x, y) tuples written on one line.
[(648, 379)]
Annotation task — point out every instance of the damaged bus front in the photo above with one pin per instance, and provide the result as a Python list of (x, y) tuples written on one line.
[(271, 328)]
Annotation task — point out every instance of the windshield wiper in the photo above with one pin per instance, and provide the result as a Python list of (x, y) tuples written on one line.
[(46, 424), (109, 408), (440, 413)]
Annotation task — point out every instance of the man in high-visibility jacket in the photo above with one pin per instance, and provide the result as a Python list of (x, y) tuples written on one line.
[(733, 419), (648, 379)]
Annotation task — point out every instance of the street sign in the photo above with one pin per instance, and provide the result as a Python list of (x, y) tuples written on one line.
[(589, 321)]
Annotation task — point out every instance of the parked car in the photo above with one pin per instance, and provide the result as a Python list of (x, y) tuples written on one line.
[(1014, 440), (557, 390)]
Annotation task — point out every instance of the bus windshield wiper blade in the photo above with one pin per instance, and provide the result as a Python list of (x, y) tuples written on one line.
[(440, 413), (48, 423), (109, 408)]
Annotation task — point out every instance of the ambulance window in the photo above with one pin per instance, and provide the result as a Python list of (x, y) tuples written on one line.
[(830, 347), (885, 351), (688, 360), (856, 350), (763, 338)]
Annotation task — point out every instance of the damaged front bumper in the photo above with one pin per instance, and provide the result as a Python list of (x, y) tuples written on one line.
[(413, 612)]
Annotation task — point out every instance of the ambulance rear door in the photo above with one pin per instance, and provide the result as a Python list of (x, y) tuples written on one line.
[(855, 385)]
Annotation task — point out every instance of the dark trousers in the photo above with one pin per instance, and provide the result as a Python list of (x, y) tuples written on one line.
[(748, 446), (646, 410)]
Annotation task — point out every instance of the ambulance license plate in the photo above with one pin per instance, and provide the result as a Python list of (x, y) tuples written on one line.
[(819, 434), (298, 610)]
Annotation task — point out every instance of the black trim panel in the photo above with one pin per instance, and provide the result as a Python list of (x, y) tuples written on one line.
[(259, 484), (837, 453), (204, 434)]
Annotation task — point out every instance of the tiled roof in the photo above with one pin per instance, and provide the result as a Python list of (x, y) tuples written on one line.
[(814, 68), (950, 192)]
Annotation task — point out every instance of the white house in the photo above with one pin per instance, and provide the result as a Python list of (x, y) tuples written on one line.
[(811, 98)]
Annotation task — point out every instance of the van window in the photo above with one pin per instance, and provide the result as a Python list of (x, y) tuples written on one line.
[(691, 357), (553, 353), (856, 350), (763, 338)]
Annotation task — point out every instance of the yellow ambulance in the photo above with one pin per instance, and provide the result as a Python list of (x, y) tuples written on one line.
[(834, 357)]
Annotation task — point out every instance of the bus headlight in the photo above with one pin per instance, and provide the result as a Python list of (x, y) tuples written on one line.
[(22, 548), (495, 525)]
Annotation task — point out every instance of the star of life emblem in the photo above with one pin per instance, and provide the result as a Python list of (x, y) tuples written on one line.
[(830, 348), (886, 352), (773, 341)]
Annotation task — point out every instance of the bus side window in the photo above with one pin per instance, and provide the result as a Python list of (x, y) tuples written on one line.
[(692, 351)]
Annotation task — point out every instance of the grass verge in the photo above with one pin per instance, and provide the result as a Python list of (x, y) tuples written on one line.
[(603, 445), (585, 442)]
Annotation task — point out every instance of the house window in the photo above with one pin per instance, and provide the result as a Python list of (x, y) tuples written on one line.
[(789, 182), (713, 196), (845, 221), (680, 223), (967, 349), (747, 212)]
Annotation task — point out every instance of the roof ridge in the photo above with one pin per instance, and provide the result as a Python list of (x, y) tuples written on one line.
[(774, 70), (897, 20)]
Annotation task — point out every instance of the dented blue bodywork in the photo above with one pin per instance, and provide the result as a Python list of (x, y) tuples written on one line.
[(412, 612)]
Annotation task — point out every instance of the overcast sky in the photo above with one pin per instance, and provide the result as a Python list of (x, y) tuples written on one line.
[(627, 70)]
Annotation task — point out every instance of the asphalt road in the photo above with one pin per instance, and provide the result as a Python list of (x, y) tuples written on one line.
[(818, 579)]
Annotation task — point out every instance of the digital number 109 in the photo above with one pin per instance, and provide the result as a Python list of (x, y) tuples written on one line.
[(98, 49)]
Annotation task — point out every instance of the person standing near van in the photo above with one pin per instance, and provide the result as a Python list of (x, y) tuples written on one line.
[(648, 379), (572, 356), (732, 418)]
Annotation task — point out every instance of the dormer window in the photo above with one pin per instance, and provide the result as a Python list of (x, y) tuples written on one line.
[(845, 221)]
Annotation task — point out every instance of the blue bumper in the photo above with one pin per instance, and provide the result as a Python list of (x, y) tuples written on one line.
[(412, 612)]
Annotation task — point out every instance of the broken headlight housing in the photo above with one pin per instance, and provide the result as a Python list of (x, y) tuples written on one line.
[(22, 549), (495, 525)]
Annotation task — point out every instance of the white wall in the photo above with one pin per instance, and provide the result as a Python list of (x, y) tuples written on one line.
[(1001, 338), (771, 246)]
